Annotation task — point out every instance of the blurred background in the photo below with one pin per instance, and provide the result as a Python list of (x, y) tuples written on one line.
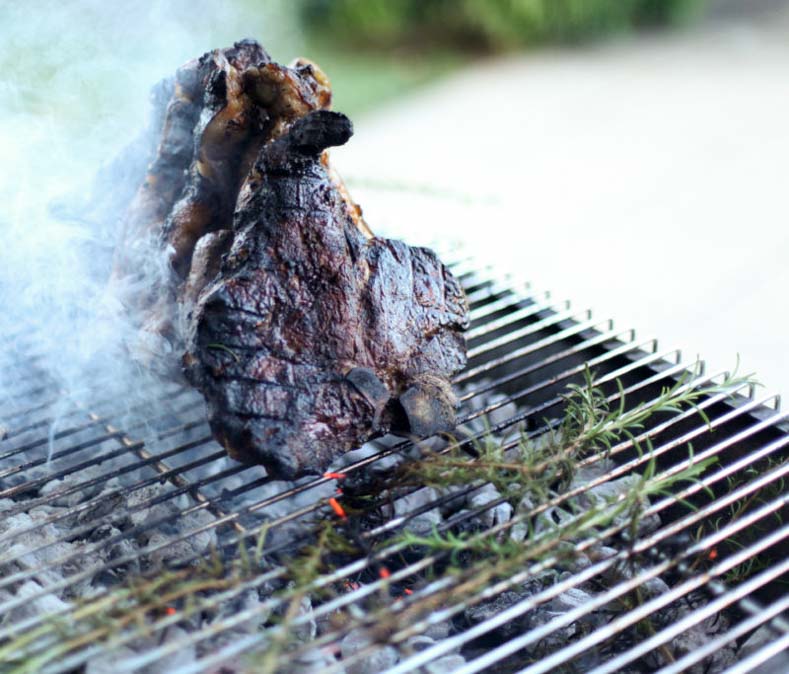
[(630, 155)]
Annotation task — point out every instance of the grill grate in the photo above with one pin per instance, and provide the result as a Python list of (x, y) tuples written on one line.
[(68, 461)]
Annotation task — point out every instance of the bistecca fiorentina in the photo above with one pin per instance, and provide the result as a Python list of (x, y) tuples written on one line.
[(306, 334)]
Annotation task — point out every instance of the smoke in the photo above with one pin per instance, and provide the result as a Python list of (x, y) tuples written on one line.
[(75, 79)]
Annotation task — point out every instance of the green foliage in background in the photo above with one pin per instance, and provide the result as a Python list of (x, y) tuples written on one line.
[(361, 83), (487, 24)]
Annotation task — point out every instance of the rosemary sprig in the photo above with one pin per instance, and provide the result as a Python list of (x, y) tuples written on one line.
[(536, 470)]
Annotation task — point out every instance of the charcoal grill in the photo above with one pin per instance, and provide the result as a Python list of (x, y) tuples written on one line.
[(68, 459)]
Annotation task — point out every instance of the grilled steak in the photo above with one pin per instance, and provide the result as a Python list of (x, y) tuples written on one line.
[(219, 110), (306, 334)]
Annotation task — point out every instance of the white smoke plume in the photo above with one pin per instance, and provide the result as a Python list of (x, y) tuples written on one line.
[(75, 79)]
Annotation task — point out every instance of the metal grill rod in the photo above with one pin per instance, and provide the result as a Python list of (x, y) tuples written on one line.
[(508, 301), (761, 656), (741, 629), (110, 518), (519, 333), (513, 317), (179, 390), (111, 434), (484, 387), (38, 443), (345, 571), (641, 383), (612, 530), (242, 537), (520, 314), (639, 613), (31, 358), (45, 422), (232, 516), (711, 540), (673, 444), (61, 493), (112, 454), (568, 618), (37, 407), (495, 290), (663, 504), (591, 325), (672, 631), (78, 411), (545, 306), (519, 309)]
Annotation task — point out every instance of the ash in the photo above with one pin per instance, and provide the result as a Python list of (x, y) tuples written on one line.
[(85, 508)]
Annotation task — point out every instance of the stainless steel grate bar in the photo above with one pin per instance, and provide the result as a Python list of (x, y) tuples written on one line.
[(647, 359), (502, 321), (243, 616), (715, 606)]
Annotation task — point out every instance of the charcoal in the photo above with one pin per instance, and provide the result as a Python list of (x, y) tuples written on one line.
[(312, 662), (184, 656), (463, 522), (455, 498), (519, 531), (497, 514), (107, 662), (423, 523), (247, 601), (551, 518), (38, 547), (75, 497), (419, 498), (167, 551), (379, 660), (607, 492), (202, 536), (445, 665), (34, 605), (553, 640), (762, 637), (438, 630), (111, 500), (420, 642), (655, 587), (119, 549), (306, 630), (569, 600), (687, 642), (490, 609)]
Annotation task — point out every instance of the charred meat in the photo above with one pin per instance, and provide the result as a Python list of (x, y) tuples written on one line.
[(306, 334), (314, 337)]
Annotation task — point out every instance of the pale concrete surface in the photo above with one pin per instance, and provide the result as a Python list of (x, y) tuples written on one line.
[(647, 179)]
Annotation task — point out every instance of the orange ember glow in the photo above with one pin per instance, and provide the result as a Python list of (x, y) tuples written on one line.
[(337, 508)]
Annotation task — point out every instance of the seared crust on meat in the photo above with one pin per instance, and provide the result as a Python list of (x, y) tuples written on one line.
[(313, 337), (307, 334)]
